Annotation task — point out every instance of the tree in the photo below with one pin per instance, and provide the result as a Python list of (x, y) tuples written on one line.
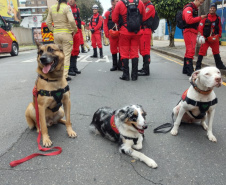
[(168, 9)]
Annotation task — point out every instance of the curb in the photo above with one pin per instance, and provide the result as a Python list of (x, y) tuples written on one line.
[(223, 72)]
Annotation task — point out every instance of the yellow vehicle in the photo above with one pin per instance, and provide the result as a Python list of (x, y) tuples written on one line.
[(47, 35)]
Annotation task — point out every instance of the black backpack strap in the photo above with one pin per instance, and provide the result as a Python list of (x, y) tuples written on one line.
[(166, 125), (91, 20)]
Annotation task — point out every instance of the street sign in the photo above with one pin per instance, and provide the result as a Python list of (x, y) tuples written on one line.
[(35, 18)]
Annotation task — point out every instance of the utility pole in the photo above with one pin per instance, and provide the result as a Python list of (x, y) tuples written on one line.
[(203, 10)]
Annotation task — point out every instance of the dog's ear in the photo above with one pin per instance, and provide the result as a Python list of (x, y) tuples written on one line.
[(125, 113), (194, 75), (37, 44)]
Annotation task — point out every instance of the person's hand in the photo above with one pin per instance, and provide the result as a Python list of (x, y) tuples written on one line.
[(92, 30), (203, 16)]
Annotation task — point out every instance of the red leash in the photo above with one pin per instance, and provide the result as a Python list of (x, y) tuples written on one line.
[(59, 149)]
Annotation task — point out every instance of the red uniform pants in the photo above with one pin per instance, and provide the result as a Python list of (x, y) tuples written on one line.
[(76, 44), (96, 40), (145, 44), (190, 43), (214, 46), (114, 45), (129, 46)]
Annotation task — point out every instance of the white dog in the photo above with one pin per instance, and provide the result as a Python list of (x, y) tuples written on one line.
[(199, 101)]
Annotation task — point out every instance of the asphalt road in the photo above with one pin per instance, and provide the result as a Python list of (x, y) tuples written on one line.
[(189, 158)]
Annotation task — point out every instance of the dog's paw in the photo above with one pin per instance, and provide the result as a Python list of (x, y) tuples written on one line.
[(47, 142), (151, 163), (71, 133), (174, 132), (211, 137)]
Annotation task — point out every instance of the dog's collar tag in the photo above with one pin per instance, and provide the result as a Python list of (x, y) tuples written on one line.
[(113, 126)]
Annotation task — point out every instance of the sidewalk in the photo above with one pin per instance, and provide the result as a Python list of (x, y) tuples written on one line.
[(26, 48), (179, 50)]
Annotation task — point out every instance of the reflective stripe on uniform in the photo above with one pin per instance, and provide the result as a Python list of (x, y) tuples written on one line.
[(71, 42), (61, 31), (66, 67)]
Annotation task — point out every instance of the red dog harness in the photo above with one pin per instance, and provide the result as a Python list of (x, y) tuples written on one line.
[(113, 126)]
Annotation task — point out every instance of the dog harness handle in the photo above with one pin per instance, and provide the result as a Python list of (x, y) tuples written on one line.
[(58, 149)]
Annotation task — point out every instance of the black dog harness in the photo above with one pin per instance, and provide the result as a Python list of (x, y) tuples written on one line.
[(57, 95)]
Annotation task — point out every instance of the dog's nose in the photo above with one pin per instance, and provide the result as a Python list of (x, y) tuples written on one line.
[(145, 127), (45, 59), (218, 79)]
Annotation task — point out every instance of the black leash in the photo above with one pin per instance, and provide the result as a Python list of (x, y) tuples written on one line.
[(166, 125)]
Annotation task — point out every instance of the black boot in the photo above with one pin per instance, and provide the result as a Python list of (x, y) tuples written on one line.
[(199, 63), (190, 68), (68, 78), (134, 75), (125, 75), (101, 53), (140, 70), (119, 63), (75, 67), (71, 71), (83, 50), (184, 71), (114, 62), (145, 71), (94, 53), (218, 61)]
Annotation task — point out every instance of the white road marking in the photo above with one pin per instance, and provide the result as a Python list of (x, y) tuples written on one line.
[(30, 60), (84, 59), (103, 59)]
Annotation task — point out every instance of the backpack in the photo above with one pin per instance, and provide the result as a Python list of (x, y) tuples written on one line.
[(134, 18), (179, 18), (155, 20)]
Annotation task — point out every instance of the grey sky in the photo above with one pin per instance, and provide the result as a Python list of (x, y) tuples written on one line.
[(106, 4)]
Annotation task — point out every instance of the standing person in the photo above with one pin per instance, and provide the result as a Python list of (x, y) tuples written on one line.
[(211, 27), (64, 28), (191, 18), (114, 40), (145, 40), (73, 70), (129, 21), (95, 25), (84, 37)]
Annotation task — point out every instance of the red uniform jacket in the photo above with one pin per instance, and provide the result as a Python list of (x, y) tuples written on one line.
[(96, 26), (212, 18), (189, 19), (75, 11), (106, 19), (150, 12), (120, 9)]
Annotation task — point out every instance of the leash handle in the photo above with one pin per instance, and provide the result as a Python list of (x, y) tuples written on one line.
[(166, 125), (59, 149)]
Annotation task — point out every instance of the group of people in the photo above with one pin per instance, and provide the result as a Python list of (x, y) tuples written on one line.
[(208, 26), (127, 25)]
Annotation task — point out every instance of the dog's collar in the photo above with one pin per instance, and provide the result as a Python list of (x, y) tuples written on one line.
[(46, 79), (199, 90), (131, 138)]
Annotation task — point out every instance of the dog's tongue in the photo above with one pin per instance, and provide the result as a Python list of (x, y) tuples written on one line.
[(46, 69)]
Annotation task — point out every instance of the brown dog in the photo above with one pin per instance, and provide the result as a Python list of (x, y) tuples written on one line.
[(53, 91)]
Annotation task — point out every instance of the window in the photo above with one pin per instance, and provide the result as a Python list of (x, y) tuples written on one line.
[(33, 10), (43, 9)]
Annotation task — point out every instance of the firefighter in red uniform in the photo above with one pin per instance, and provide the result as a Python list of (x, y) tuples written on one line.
[(145, 39), (73, 70), (211, 28), (191, 18), (114, 39), (95, 25), (129, 40)]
